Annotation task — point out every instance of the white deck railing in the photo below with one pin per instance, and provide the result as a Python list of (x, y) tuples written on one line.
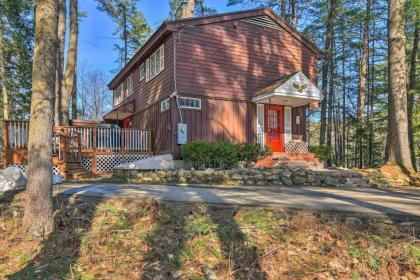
[(92, 138)]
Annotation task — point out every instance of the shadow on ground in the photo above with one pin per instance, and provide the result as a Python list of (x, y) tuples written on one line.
[(60, 250)]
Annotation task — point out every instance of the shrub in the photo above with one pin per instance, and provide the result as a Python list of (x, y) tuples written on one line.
[(323, 152), (197, 153), (249, 153), (221, 154), (224, 154)]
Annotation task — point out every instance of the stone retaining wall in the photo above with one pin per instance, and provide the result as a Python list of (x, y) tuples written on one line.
[(281, 176)]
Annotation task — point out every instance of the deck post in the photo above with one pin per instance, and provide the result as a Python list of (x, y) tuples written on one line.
[(149, 141), (94, 142), (123, 144), (64, 150), (5, 143)]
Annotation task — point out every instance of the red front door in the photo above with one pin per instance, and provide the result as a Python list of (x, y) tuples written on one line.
[(274, 127), (126, 123)]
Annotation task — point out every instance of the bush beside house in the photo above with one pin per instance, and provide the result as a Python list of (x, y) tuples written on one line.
[(224, 155)]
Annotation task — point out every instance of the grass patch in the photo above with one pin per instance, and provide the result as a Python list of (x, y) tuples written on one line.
[(145, 239)]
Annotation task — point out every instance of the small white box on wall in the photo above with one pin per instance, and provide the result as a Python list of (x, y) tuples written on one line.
[(182, 133)]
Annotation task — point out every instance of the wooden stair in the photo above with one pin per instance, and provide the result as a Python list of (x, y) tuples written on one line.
[(303, 160), (68, 156)]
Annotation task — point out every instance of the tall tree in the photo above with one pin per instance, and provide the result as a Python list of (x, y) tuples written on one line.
[(38, 217), (326, 68), (60, 61), (363, 68), (132, 28), (200, 9), (398, 147), (71, 64), (412, 83), (16, 24), (363, 86), (3, 75)]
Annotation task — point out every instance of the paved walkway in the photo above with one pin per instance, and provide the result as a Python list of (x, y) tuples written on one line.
[(378, 201)]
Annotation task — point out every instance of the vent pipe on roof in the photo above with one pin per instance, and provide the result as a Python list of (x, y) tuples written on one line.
[(187, 8)]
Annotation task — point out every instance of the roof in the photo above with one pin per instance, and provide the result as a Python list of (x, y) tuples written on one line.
[(175, 25), (295, 85), (272, 87)]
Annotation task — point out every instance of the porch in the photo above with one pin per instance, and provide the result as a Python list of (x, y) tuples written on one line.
[(79, 149)]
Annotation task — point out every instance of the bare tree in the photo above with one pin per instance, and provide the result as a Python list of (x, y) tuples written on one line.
[(38, 217), (398, 147), (71, 63), (94, 97)]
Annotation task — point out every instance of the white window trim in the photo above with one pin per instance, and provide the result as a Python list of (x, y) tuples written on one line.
[(189, 107), (287, 124), (142, 77), (165, 105), (130, 85)]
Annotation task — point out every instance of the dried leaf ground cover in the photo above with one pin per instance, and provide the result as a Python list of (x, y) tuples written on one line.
[(126, 239)]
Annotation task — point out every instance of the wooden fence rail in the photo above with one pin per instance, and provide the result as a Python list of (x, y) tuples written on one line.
[(90, 140)]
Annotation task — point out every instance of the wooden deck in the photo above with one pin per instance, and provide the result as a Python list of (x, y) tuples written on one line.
[(79, 148)]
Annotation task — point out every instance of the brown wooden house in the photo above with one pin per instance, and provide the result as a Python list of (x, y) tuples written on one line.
[(242, 77)]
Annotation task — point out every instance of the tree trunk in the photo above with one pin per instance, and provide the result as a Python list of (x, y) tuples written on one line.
[(60, 60), (71, 64), (325, 69), (293, 16), (398, 148), (38, 218), (412, 89), (125, 35), (363, 67), (5, 95), (74, 99), (283, 8)]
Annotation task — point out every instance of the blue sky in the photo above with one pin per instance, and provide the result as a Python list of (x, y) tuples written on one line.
[(96, 46)]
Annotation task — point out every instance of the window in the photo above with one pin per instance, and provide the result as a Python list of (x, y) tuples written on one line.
[(118, 95), (155, 63), (130, 87), (164, 105), (142, 72), (190, 103)]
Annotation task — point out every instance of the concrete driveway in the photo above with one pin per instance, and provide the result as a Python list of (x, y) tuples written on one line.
[(377, 201)]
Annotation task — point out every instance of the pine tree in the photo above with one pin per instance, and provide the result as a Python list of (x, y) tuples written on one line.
[(38, 217), (398, 148), (132, 28)]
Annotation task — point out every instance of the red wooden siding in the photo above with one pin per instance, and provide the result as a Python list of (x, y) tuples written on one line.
[(220, 120), (162, 85), (219, 60), (159, 123)]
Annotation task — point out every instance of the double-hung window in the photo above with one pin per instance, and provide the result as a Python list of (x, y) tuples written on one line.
[(130, 87), (142, 72), (118, 95), (155, 63)]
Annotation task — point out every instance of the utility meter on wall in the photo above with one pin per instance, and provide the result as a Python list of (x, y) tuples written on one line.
[(182, 133)]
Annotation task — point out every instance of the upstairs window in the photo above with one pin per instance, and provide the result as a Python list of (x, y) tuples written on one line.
[(118, 95), (190, 103), (130, 87), (155, 63), (164, 105), (142, 72)]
